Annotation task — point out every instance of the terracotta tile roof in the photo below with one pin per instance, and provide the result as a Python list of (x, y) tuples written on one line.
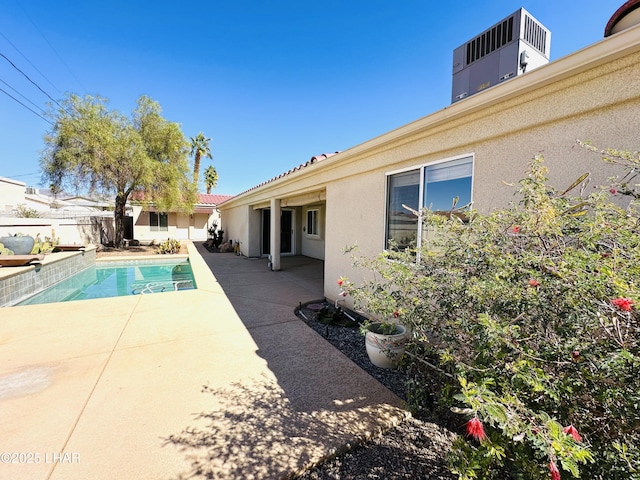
[(212, 199), (205, 202), (314, 159)]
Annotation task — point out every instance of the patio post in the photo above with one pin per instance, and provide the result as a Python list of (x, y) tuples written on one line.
[(275, 234)]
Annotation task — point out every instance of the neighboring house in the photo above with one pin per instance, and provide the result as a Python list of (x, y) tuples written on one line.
[(83, 204), (150, 224), (12, 193), (72, 220), (15, 194), (85, 220), (468, 149)]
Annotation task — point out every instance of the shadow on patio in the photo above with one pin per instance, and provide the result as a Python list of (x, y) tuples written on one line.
[(313, 401)]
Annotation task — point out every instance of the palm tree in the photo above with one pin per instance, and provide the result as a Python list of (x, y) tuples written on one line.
[(199, 148), (210, 178)]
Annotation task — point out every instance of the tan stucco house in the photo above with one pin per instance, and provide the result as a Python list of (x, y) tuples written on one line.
[(151, 224), (468, 149)]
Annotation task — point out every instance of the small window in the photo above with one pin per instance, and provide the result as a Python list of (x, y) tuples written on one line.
[(159, 222), (313, 223)]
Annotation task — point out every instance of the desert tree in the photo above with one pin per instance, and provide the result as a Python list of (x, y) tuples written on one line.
[(93, 149)]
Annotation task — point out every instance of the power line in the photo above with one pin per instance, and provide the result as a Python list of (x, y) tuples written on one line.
[(33, 111), (29, 78), (29, 62), (51, 46), (16, 91), (25, 175)]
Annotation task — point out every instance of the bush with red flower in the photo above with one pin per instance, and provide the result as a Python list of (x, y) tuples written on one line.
[(529, 318)]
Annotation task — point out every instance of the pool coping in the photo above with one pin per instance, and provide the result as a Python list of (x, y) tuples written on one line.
[(19, 283), (49, 259)]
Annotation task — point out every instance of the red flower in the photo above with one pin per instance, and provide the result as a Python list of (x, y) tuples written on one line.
[(623, 304), (516, 229), (571, 430), (553, 469), (613, 191), (340, 281), (396, 313), (576, 355), (533, 283), (475, 429)]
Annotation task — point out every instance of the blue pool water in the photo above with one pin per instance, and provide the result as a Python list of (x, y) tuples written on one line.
[(117, 279)]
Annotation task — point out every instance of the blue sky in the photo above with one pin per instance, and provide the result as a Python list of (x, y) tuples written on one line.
[(272, 83)]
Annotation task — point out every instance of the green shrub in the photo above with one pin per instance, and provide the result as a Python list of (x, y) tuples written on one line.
[(169, 246), (529, 318), (23, 211)]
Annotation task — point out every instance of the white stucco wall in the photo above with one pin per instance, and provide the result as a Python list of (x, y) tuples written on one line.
[(11, 193), (69, 231), (242, 225)]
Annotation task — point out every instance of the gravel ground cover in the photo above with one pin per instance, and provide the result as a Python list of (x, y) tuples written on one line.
[(415, 449)]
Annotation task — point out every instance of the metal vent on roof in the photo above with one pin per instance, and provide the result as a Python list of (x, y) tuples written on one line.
[(535, 34), (511, 47), (490, 41)]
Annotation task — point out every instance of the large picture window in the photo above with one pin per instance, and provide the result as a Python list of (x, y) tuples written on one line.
[(159, 222), (436, 184)]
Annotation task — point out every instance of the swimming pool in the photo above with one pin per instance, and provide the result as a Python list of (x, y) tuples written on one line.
[(117, 279)]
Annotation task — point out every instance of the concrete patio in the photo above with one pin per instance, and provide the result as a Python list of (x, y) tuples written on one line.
[(219, 382)]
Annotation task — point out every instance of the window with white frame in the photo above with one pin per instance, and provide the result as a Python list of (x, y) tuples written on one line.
[(313, 227), (159, 222), (434, 186)]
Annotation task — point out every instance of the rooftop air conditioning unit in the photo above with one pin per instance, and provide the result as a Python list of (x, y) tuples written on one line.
[(32, 191), (511, 47)]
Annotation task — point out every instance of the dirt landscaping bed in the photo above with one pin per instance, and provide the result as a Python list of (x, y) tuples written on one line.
[(104, 251)]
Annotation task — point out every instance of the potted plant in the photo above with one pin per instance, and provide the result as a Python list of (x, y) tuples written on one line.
[(19, 244), (384, 340), (385, 343)]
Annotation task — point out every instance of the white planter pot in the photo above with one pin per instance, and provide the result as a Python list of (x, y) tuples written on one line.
[(384, 350)]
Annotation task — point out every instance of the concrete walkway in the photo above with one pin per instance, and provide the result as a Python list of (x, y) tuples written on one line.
[(219, 382)]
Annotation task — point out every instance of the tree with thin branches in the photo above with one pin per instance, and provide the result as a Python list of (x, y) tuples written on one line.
[(99, 151)]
